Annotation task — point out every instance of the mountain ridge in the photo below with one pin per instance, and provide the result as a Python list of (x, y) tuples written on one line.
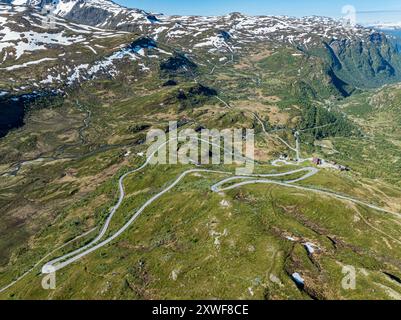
[(343, 47)]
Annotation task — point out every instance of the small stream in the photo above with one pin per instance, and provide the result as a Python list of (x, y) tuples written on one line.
[(13, 109)]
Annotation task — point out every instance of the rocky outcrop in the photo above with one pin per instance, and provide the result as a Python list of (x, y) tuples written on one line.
[(178, 65)]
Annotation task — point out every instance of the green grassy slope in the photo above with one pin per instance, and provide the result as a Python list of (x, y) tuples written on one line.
[(193, 243)]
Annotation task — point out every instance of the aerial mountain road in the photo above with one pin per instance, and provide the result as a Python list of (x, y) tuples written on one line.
[(61, 262), (95, 244)]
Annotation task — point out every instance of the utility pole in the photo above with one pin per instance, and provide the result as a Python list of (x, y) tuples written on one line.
[(297, 145)]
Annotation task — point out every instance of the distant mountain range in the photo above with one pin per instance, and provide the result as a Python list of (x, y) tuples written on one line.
[(355, 56)]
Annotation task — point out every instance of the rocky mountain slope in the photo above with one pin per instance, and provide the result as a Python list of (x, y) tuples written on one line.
[(357, 56), (38, 54)]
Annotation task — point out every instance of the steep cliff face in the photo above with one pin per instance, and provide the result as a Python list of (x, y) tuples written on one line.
[(366, 63)]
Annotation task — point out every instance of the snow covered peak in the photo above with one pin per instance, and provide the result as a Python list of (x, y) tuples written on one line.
[(237, 31), (25, 33), (65, 52), (25, 2), (105, 5), (104, 9), (19, 2), (200, 30)]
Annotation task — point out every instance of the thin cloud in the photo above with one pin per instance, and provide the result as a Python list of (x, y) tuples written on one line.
[(379, 11)]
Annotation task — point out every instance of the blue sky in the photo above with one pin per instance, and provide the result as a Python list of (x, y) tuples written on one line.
[(272, 7)]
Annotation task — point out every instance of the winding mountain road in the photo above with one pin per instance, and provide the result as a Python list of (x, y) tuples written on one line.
[(67, 259), (97, 243)]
